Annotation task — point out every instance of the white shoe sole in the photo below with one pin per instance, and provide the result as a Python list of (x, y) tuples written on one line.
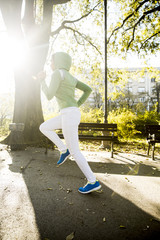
[(64, 160)]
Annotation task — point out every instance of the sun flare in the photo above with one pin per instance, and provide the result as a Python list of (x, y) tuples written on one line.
[(13, 53)]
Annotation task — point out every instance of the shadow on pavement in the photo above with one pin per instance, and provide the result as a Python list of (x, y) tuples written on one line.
[(60, 210)]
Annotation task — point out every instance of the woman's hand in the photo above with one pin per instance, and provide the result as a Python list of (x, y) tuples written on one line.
[(41, 76)]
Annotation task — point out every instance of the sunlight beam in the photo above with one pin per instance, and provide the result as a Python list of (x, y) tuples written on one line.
[(142, 191)]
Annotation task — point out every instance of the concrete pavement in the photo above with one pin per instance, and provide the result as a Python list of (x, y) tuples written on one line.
[(40, 200)]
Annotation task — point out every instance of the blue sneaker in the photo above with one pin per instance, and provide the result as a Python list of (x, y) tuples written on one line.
[(90, 187), (64, 157)]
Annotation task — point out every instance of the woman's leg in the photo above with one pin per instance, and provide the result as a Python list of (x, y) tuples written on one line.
[(48, 127), (70, 121)]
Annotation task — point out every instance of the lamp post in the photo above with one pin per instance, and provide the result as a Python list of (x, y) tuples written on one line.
[(105, 144), (105, 62)]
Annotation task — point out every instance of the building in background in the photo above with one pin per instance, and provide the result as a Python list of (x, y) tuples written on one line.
[(143, 90)]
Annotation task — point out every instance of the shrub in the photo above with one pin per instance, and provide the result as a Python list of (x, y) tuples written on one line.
[(124, 119), (147, 117), (92, 115), (4, 129)]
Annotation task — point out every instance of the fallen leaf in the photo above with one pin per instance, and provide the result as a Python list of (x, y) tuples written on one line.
[(122, 227), (127, 179), (61, 188), (147, 227), (49, 188), (69, 190), (104, 219), (70, 237), (154, 168)]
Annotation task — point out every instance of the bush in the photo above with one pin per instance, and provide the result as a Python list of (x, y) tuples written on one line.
[(130, 124), (95, 115), (124, 119), (4, 129), (147, 117)]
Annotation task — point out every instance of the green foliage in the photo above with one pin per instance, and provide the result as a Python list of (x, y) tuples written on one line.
[(6, 112), (147, 117), (124, 119), (92, 115), (4, 129), (130, 124), (118, 79), (137, 27)]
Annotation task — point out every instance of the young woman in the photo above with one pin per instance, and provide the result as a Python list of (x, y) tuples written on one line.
[(63, 86)]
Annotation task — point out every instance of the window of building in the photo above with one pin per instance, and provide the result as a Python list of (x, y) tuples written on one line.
[(153, 79), (141, 89), (142, 99)]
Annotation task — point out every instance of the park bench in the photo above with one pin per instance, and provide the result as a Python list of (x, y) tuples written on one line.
[(153, 137), (96, 132)]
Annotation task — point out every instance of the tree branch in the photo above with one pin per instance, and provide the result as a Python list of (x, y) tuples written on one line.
[(149, 38), (125, 20), (143, 16), (134, 29), (138, 22), (83, 36), (84, 16)]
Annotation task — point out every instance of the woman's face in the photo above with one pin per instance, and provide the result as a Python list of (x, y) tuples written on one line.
[(52, 65)]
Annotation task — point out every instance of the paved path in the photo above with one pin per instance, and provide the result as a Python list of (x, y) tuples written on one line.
[(40, 200)]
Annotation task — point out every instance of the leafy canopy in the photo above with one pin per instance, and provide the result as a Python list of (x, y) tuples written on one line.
[(138, 27)]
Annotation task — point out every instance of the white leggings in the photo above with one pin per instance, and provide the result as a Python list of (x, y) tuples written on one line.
[(68, 121)]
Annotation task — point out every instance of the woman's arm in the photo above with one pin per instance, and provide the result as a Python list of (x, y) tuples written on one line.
[(51, 90), (86, 92)]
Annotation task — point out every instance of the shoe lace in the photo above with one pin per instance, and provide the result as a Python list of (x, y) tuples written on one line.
[(86, 184), (89, 183)]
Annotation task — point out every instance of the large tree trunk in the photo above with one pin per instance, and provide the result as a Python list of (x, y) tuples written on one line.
[(27, 108)]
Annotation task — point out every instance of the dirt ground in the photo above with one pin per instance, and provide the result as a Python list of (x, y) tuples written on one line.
[(40, 201)]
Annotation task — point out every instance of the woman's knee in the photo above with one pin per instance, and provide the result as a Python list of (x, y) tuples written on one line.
[(41, 127), (75, 152)]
